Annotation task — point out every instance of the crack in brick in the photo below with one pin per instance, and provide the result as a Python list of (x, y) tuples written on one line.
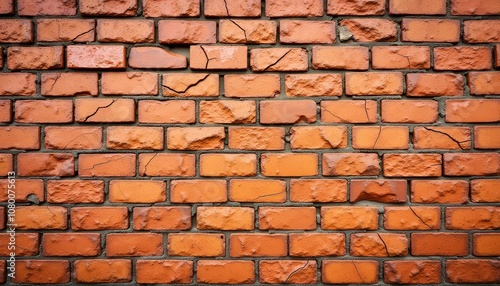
[(366, 111), (449, 136), (206, 57), (357, 271), (276, 62), (407, 59), (81, 34), (341, 119), (244, 32), (378, 136), (268, 195), (227, 9), (296, 270), (98, 108), (188, 87), (102, 163), (56, 78), (86, 133), (385, 245), (414, 213), (146, 166)]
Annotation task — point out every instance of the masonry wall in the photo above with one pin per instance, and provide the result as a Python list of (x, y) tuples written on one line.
[(250, 142)]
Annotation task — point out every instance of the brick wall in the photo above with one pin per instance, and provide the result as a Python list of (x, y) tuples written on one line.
[(251, 142)]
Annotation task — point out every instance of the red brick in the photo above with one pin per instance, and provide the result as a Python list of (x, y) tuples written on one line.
[(134, 244), (41, 217), (195, 138), (287, 218), (6, 164), (227, 111), (44, 111), (155, 58), (196, 244), (27, 244), (104, 110), (106, 165), (480, 110), (243, 8), (125, 191), (384, 191), (371, 30), (484, 190), (412, 165), (251, 85), (247, 31), (17, 84), (319, 137), (416, 111), (350, 164), (288, 271), (343, 111), (130, 138), (412, 272), (162, 218), (198, 191), (278, 59), (318, 190), (347, 7), (192, 85), (171, 111), (63, 244), (99, 218), (186, 32), (304, 85), (102, 270), (462, 58), (256, 138), (108, 8), (294, 8), (430, 84), (257, 190), (448, 138), (430, 30), (6, 7), (473, 218), (20, 137), (439, 244), (125, 31), (485, 244), (472, 271), (16, 31), (299, 32), (289, 164), (346, 218), (225, 271), (257, 245), (380, 137), (474, 7), (38, 58), (401, 57), (24, 188), (374, 83), (471, 164), (317, 244), (171, 8), (218, 57), (484, 83), (65, 30), (228, 165), (5, 111), (69, 84), (497, 55), (417, 7), (486, 137), (482, 31), (225, 218), (287, 112), (349, 271), (64, 138), (129, 83), (346, 58), (45, 164), (439, 191), (164, 271), (75, 191), (48, 7), (412, 218), (378, 244), (42, 272), (160, 165), (96, 57)]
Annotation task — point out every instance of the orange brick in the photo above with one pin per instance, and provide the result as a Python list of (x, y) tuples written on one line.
[(288, 271), (5, 110), (439, 244), (225, 218), (346, 218), (374, 83), (69, 84), (439, 191), (225, 271), (497, 55), (196, 244), (456, 138), (257, 245), (417, 7), (162, 218), (44, 111), (65, 30), (349, 271), (244, 8), (218, 57), (195, 138), (384, 191), (412, 218), (319, 137), (430, 30), (134, 244), (287, 218), (479, 110), (171, 111), (470, 164), (104, 165), (474, 7), (125, 191), (462, 58), (16, 31), (159, 165), (96, 56), (45, 164), (482, 31), (483, 83), (313, 85), (129, 83), (294, 8), (380, 137), (17, 84), (63, 244), (415, 111), (350, 164), (99, 218), (346, 58), (6, 164), (125, 31), (317, 244), (344, 111), (155, 58), (472, 271), (299, 32), (228, 111), (242, 190), (27, 244), (256, 138), (97, 8), (346, 7), (104, 110), (75, 191), (247, 31), (130, 138), (401, 57), (415, 271), (24, 188), (38, 58), (164, 271), (186, 32), (371, 30), (171, 8), (102, 270), (198, 191), (289, 164), (42, 272), (278, 59), (318, 190), (287, 112), (429, 84), (41, 217), (473, 218), (485, 244), (192, 85), (20, 137), (49, 7), (412, 165), (484, 190), (378, 244), (227, 165), (74, 137), (251, 85)]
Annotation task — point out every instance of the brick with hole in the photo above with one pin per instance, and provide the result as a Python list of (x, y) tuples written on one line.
[(371, 30), (288, 271), (299, 32), (294, 8), (439, 191), (161, 165), (164, 271), (256, 138), (347, 218), (225, 218), (430, 30), (462, 58), (228, 165), (196, 244), (484, 83), (63, 244), (257, 190), (318, 190), (25, 188), (473, 218), (96, 57), (137, 191), (190, 85), (305, 85), (378, 244), (41, 217), (416, 111), (412, 218), (350, 164), (386, 191), (198, 191), (473, 111), (483, 190), (106, 165), (359, 111), (162, 218), (287, 218), (16, 31), (171, 8), (225, 271), (265, 85), (18, 84), (65, 30), (38, 271), (409, 272), (99, 218), (43, 111), (278, 59), (97, 8), (439, 244), (171, 111), (132, 138), (257, 245), (412, 165), (349, 271), (125, 31), (129, 83), (243, 8), (186, 32), (401, 57), (472, 271), (218, 57), (235, 31), (287, 112), (227, 111), (134, 244), (104, 110), (75, 191), (102, 270), (27, 244), (317, 244), (417, 7), (46, 164), (69, 84), (20, 137)]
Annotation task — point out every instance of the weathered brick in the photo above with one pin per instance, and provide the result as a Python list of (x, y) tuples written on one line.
[(429, 84), (162, 218), (160, 165), (257, 245), (109, 8), (294, 8), (6, 164), (171, 111), (471, 164), (27, 244), (42, 272), (472, 270), (289, 164), (129, 83), (486, 137), (104, 110), (20, 137), (106, 164), (75, 191), (430, 30), (5, 111), (484, 190), (164, 271), (374, 83), (7, 7), (35, 58), (242, 8), (299, 32), (195, 138), (287, 218), (225, 272), (287, 112), (343, 111), (302, 85), (17, 84), (77, 137), (227, 111), (16, 31), (125, 31), (96, 56), (134, 244), (462, 58), (196, 244), (186, 32), (44, 111), (69, 84), (380, 137), (482, 31), (45, 164), (384, 191), (129, 138), (257, 190), (401, 57), (25, 187), (47, 8), (198, 191), (65, 30), (412, 218), (155, 58), (472, 218), (190, 85), (103, 271), (247, 31), (125, 191), (439, 191), (349, 271), (481, 110), (99, 218), (288, 271), (371, 30), (320, 137), (265, 85), (416, 111), (345, 218), (256, 138), (350, 164), (171, 8), (318, 190), (63, 244), (41, 217), (457, 138), (227, 165), (378, 244), (417, 7), (474, 7), (346, 58), (347, 7), (484, 83), (317, 244), (225, 218), (218, 57), (410, 272), (278, 59), (412, 165)]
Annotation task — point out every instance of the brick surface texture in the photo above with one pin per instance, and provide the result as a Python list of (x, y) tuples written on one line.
[(194, 142)]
